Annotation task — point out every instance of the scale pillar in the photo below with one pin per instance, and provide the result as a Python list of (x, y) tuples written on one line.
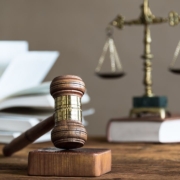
[(147, 62)]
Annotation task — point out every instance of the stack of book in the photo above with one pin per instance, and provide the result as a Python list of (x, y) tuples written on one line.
[(24, 99)]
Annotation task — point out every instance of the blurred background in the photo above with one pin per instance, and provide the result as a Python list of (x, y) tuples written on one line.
[(77, 30)]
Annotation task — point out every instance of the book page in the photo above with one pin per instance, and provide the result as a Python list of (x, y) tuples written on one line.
[(35, 101), (43, 88), (26, 70), (9, 50), (169, 131)]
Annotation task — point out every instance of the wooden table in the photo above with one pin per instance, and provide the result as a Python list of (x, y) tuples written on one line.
[(129, 161)]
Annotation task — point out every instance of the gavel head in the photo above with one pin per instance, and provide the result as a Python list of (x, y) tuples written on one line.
[(68, 133)]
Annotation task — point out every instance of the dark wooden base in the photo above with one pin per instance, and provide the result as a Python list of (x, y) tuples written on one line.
[(150, 102), (78, 162)]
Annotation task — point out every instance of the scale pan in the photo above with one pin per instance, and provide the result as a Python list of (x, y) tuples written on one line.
[(110, 75), (175, 71)]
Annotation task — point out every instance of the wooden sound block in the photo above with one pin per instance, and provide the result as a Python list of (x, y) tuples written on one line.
[(77, 162)]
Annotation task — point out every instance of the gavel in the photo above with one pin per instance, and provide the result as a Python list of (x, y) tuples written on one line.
[(68, 131)]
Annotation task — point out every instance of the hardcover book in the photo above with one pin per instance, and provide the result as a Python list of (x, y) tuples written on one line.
[(149, 129)]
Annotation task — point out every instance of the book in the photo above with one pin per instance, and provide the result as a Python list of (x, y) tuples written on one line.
[(37, 101), (21, 88), (37, 97), (20, 122), (9, 50), (144, 130), (87, 112), (25, 71), (8, 136), (33, 101), (9, 123)]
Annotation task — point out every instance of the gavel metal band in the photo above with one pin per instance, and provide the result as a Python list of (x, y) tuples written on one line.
[(66, 100), (68, 107)]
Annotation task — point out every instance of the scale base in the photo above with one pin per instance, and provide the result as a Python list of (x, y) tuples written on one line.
[(68, 163), (155, 105), (150, 102), (138, 112)]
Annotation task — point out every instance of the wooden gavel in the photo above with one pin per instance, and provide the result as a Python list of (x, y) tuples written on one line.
[(68, 131)]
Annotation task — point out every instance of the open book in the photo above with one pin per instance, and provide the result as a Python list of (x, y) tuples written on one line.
[(37, 97), (25, 71), (20, 82), (9, 50)]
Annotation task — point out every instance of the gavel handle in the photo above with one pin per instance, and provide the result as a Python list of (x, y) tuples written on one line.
[(29, 136)]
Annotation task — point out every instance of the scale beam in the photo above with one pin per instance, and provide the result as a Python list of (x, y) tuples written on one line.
[(146, 19)]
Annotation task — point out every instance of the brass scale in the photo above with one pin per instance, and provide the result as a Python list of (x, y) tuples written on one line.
[(148, 103)]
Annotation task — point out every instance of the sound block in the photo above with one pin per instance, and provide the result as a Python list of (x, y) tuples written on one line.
[(77, 162)]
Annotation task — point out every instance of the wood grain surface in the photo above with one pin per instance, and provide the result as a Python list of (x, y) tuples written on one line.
[(80, 162), (68, 134), (134, 161)]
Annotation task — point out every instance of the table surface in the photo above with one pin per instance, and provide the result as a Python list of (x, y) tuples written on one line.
[(129, 161)]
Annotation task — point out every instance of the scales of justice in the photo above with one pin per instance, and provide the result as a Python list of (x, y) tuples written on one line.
[(148, 103)]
